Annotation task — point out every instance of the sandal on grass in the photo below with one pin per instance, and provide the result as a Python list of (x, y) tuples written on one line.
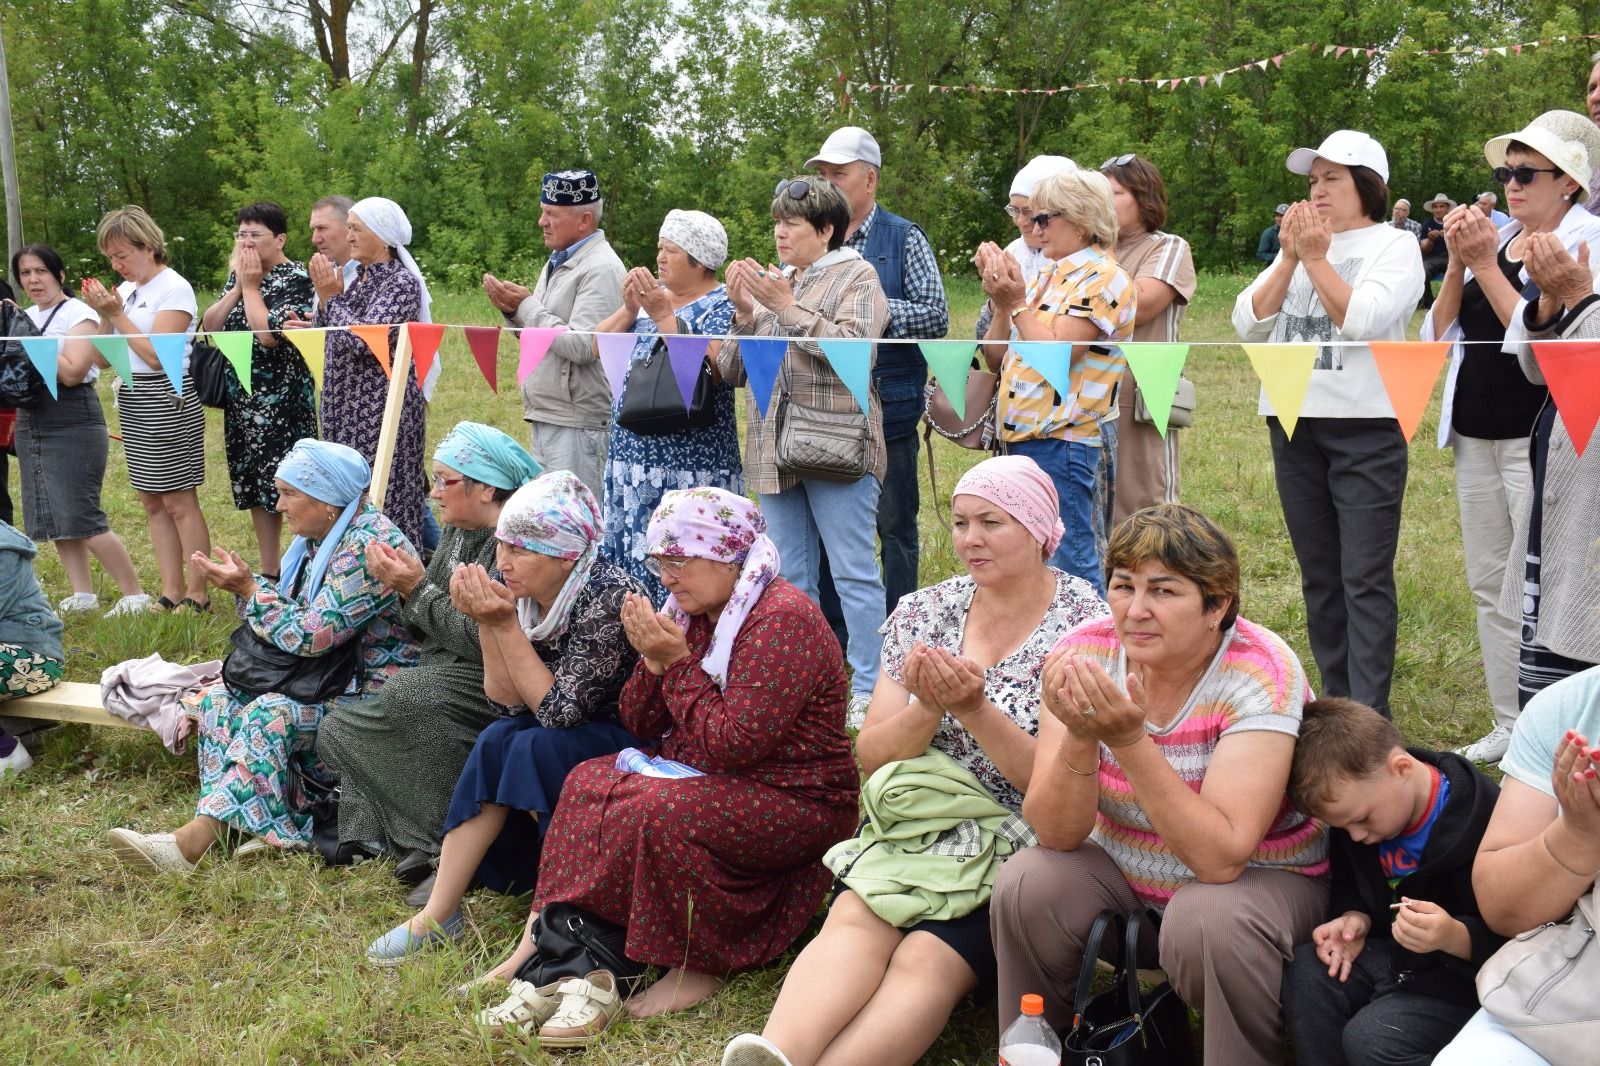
[(588, 1007), (162, 605), (523, 1011)]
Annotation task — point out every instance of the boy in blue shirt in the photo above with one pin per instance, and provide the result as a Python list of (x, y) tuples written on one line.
[(1389, 978)]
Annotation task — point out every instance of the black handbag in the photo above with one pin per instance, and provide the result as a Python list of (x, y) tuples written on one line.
[(652, 404), (255, 667), (1125, 1026), (570, 942), (21, 384), (214, 379)]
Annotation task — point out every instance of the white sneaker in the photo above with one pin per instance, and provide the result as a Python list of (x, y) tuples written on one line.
[(855, 716), (748, 1049), (1489, 748), (18, 761), (78, 601), (138, 603), (154, 851)]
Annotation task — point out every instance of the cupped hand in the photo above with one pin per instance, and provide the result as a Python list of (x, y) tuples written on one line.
[(655, 636), (105, 301), (481, 598), (1555, 271), (227, 571), (1002, 280), (954, 681), (1313, 235), (1289, 230), (738, 294), (1577, 785), (399, 570), (1103, 710), (1472, 238), (770, 288), (248, 268), (1340, 941), (326, 277)]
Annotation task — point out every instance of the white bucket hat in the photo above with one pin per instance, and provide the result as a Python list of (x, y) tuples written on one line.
[(1569, 140), (1351, 148), (1440, 199)]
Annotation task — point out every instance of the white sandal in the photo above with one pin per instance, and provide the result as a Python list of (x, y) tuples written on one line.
[(588, 1007), (524, 1010)]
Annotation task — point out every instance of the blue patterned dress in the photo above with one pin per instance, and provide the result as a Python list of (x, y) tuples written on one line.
[(641, 469), (251, 751)]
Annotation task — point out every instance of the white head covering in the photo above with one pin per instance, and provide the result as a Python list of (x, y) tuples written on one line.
[(389, 223), (699, 234), (1036, 170)]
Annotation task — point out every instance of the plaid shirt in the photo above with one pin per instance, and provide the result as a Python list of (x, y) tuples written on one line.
[(923, 312), (839, 299), (1410, 225)]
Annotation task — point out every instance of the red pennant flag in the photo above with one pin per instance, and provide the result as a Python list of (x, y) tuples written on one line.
[(425, 338), (485, 344), (1409, 370), (1569, 370), (377, 338)]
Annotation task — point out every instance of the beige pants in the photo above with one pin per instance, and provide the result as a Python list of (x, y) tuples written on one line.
[(1147, 463), (1493, 479), (582, 451)]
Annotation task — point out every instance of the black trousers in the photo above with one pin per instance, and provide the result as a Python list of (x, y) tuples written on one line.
[(1341, 482), (1369, 1020)]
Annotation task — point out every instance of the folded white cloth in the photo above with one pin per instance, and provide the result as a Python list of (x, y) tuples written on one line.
[(150, 691)]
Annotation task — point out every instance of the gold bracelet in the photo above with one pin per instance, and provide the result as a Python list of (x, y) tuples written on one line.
[(1061, 753), (1548, 850)]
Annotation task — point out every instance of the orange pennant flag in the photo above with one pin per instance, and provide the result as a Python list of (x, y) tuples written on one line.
[(1409, 370), (377, 338), (425, 338)]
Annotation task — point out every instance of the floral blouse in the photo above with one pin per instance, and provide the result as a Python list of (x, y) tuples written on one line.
[(937, 617)]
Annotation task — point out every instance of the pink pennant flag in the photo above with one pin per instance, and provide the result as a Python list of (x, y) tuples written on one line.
[(1277, 60), (688, 355), (615, 351), (1338, 53), (535, 342), (1203, 78)]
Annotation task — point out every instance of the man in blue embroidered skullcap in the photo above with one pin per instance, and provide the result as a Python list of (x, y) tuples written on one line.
[(566, 399)]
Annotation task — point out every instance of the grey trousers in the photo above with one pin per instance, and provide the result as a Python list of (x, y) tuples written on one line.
[(582, 451), (1223, 947)]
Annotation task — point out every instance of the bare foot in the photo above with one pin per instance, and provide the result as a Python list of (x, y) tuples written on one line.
[(508, 969), (678, 989)]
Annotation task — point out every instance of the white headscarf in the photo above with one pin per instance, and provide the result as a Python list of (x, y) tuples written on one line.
[(389, 224)]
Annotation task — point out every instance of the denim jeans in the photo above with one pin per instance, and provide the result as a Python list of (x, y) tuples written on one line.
[(1072, 468), (839, 516), (897, 519)]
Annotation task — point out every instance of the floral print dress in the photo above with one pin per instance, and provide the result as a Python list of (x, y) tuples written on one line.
[(260, 426), (640, 468), (251, 751)]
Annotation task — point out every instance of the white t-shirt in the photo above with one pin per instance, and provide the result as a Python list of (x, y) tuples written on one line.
[(59, 320), (167, 291), (1383, 267)]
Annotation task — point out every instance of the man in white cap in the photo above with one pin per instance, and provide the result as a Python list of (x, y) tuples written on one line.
[(1267, 247), (1029, 257), (566, 400), (1401, 219), (1488, 203), (909, 273)]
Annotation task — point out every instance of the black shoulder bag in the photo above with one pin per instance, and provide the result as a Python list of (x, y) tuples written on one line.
[(1125, 1026), (571, 942), (255, 667), (214, 378), (652, 404), (21, 384)]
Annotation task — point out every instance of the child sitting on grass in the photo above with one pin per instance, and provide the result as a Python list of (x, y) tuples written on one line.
[(1389, 979)]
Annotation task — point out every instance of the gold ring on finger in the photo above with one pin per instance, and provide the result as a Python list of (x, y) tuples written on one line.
[(1087, 711)]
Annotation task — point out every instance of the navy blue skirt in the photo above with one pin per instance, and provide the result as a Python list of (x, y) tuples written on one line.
[(518, 763)]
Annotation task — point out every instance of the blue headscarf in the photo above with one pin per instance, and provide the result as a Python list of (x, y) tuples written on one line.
[(333, 474), (485, 454)]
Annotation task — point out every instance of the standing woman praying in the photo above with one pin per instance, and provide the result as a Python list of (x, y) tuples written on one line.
[(163, 432)]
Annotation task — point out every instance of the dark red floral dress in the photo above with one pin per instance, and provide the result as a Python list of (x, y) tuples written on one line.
[(720, 872)]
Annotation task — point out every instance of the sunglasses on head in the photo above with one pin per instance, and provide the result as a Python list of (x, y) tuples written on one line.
[(1119, 160), (798, 188), (1523, 174)]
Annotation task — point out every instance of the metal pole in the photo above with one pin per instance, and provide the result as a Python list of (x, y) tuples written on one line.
[(8, 161)]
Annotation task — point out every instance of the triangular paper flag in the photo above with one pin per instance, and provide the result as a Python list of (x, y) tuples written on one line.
[(948, 362), (485, 344), (688, 355), (376, 338), (1409, 369), (45, 355), (425, 338), (169, 353), (535, 342), (852, 361), (615, 351), (1051, 360), (313, 347), (1285, 372), (1156, 368), (762, 356), (115, 351), (1570, 371), (236, 348)]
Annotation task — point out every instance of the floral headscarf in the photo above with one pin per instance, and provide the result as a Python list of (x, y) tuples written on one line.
[(715, 524), (554, 514)]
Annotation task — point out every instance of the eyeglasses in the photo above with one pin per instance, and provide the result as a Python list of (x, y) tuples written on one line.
[(1524, 175), (1119, 160), (663, 566), (798, 188), (243, 236), (446, 482), (1014, 212), (1043, 221)]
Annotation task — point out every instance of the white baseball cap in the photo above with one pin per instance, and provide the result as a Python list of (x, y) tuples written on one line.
[(1351, 148), (1036, 170), (848, 144)]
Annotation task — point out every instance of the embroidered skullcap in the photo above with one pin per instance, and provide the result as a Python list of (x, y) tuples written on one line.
[(1016, 485), (554, 514), (485, 454), (698, 234), (336, 475), (570, 188)]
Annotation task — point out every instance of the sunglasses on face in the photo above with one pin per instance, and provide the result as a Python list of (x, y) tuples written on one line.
[(1043, 221), (1119, 160), (1524, 175), (798, 188)]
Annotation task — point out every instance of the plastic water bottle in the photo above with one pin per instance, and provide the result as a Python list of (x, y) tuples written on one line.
[(1030, 1041)]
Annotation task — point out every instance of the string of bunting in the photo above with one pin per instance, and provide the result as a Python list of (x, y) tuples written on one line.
[(1409, 369), (1171, 83)]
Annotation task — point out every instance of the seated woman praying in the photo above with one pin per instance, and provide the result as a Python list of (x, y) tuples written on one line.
[(555, 661), (961, 670), (256, 747)]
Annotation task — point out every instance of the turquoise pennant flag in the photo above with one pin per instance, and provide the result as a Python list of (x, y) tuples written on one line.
[(115, 351), (236, 347), (169, 353), (852, 361), (45, 355), (762, 356), (948, 362), (1156, 368), (1051, 360)]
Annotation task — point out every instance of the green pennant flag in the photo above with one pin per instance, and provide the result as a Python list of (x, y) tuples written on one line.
[(115, 351), (236, 347), (948, 362), (1156, 369)]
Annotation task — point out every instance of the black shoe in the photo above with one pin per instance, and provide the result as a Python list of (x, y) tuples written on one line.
[(349, 853), (418, 896), (414, 867)]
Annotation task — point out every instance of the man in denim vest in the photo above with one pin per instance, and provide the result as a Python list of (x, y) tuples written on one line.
[(909, 273)]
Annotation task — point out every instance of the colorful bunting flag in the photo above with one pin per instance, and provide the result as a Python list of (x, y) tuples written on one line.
[(425, 340), (762, 356), (115, 351), (485, 344), (236, 348), (1051, 360), (1285, 372), (377, 338), (45, 355), (852, 361), (169, 353), (1569, 370), (1156, 368), (615, 351), (313, 347), (535, 342), (948, 362), (688, 355), (1409, 370)]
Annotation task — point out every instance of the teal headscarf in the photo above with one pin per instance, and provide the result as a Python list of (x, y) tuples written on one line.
[(335, 475), (485, 454)]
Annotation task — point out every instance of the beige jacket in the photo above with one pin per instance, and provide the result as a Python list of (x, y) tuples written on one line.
[(569, 387)]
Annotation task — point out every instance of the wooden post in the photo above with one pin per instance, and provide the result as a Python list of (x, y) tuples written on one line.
[(393, 404), (8, 163)]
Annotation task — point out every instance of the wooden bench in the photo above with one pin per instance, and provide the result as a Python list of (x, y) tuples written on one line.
[(70, 701)]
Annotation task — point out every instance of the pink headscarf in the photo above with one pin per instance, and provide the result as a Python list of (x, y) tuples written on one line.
[(1016, 485)]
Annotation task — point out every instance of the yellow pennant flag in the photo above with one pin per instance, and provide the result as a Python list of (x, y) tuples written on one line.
[(313, 345), (1285, 372)]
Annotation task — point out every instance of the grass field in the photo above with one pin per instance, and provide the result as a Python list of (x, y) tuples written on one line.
[(261, 963)]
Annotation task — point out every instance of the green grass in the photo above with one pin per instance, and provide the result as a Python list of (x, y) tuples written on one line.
[(259, 963)]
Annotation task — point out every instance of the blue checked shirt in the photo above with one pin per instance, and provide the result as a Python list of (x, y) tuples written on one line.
[(923, 312)]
